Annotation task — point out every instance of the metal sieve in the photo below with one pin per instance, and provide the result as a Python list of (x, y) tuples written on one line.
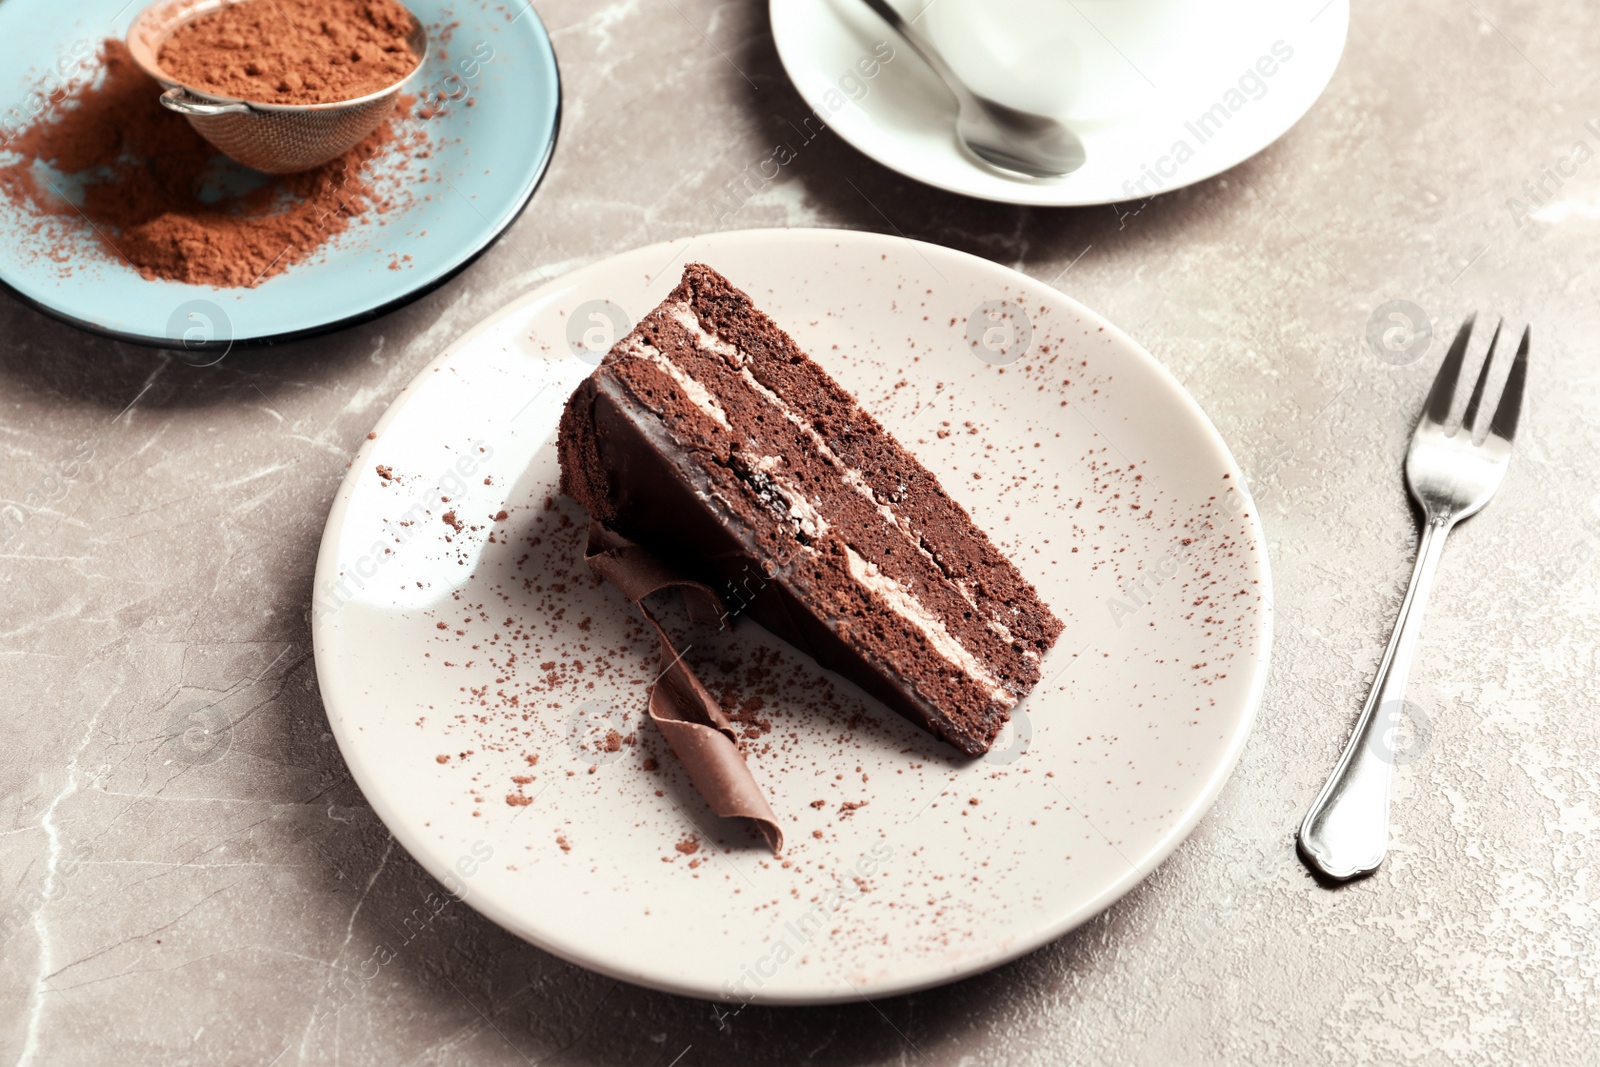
[(275, 138)]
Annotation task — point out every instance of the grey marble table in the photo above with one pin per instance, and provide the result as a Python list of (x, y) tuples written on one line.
[(156, 910)]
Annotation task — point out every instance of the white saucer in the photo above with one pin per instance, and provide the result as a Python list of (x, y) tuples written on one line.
[(903, 117), (1089, 464)]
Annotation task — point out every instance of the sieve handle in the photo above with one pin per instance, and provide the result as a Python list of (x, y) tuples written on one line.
[(180, 100)]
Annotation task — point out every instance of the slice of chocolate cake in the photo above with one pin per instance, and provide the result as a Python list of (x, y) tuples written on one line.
[(709, 438)]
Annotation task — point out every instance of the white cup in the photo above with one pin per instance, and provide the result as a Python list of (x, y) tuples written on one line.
[(1079, 60)]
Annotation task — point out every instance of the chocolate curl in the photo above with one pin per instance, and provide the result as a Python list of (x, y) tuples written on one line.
[(701, 736)]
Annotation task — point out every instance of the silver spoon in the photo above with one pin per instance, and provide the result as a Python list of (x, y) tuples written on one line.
[(1011, 141)]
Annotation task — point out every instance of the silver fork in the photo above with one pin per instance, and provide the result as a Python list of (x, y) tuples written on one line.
[(1346, 832)]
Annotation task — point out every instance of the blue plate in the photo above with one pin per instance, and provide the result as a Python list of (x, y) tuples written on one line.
[(489, 155)]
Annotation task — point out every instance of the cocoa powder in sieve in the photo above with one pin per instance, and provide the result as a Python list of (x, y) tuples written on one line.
[(145, 176), (293, 51)]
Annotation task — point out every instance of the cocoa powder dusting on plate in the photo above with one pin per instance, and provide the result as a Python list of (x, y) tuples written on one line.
[(293, 51), (111, 173)]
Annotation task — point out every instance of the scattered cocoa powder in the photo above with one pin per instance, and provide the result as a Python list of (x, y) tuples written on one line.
[(293, 51), (149, 187)]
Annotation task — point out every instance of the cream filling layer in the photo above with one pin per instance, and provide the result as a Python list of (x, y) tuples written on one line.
[(910, 608)]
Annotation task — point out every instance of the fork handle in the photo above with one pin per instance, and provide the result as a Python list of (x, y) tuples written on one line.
[(1346, 832)]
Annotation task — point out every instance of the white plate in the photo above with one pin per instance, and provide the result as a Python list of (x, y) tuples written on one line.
[(903, 117), (1110, 763)]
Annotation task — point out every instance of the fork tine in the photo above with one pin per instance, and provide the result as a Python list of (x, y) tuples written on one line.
[(1444, 384), (1504, 423), (1469, 418)]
